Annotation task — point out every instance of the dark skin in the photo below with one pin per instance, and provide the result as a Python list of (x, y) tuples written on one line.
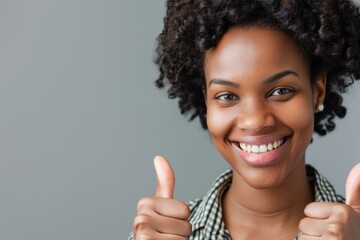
[(260, 113), (252, 108)]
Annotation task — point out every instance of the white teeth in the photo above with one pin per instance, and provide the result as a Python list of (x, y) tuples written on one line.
[(261, 148), (248, 148), (255, 148), (242, 146)]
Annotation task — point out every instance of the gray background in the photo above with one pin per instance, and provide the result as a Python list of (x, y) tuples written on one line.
[(81, 120)]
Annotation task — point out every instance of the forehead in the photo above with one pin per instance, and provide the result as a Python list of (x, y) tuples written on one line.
[(249, 49)]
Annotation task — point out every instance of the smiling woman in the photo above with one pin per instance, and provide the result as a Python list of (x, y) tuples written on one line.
[(272, 105), (262, 76)]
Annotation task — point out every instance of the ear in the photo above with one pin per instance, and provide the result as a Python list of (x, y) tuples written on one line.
[(319, 90)]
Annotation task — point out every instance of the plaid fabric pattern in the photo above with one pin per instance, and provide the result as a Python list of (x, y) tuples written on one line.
[(206, 214)]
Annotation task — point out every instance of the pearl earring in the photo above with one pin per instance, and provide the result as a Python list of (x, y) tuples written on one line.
[(320, 108)]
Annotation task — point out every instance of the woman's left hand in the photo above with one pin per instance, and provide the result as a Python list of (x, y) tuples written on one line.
[(335, 220)]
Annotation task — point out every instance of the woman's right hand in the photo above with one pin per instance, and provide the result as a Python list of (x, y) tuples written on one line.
[(161, 216)]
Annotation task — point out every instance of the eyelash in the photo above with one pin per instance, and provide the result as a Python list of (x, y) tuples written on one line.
[(224, 97), (287, 91), (229, 97)]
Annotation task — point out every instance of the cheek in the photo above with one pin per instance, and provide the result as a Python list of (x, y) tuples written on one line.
[(219, 122), (299, 116)]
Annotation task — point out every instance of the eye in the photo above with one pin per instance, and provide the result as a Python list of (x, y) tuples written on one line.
[(281, 91), (227, 97)]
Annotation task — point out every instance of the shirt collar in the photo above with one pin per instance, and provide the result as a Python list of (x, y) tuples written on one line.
[(209, 211), (324, 191), (208, 214)]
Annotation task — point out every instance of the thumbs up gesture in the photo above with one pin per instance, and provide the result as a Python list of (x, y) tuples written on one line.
[(161, 216), (335, 220)]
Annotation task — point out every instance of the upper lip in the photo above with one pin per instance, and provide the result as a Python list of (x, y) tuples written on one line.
[(259, 140)]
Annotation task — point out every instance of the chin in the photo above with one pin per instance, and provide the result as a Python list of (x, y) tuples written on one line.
[(262, 179)]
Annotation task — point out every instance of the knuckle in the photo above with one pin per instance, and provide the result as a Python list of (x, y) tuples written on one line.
[(342, 214), (302, 223), (188, 229), (143, 203), (185, 210), (141, 222), (342, 210), (335, 230)]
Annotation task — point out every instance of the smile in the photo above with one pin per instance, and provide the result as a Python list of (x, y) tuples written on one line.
[(263, 147)]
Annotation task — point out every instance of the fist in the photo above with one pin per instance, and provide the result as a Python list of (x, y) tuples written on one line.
[(330, 221), (161, 216), (335, 220)]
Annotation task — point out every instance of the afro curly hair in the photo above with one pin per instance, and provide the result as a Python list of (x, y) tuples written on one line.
[(327, 32)]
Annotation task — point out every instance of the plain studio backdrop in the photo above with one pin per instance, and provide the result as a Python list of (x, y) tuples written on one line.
[(81, 120)]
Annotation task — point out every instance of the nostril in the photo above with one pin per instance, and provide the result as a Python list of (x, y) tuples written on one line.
[(256, 121)]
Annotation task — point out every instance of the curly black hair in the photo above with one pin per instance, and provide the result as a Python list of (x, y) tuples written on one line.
[(327, 32)]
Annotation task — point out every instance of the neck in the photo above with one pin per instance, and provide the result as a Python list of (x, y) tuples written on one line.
[(277, 209)]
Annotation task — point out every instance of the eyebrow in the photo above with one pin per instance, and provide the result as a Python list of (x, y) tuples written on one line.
[(223, 82), (279, 75), (269, 80)]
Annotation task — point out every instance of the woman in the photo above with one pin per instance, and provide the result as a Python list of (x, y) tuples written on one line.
[(262, 76)]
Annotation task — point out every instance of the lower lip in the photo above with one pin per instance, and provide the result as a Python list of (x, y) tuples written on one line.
[(262, 159)]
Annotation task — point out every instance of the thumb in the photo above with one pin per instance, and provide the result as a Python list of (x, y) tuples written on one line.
[(352, 188), (165, 178)]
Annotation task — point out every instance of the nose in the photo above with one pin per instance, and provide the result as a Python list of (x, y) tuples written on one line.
[(255, 116)]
